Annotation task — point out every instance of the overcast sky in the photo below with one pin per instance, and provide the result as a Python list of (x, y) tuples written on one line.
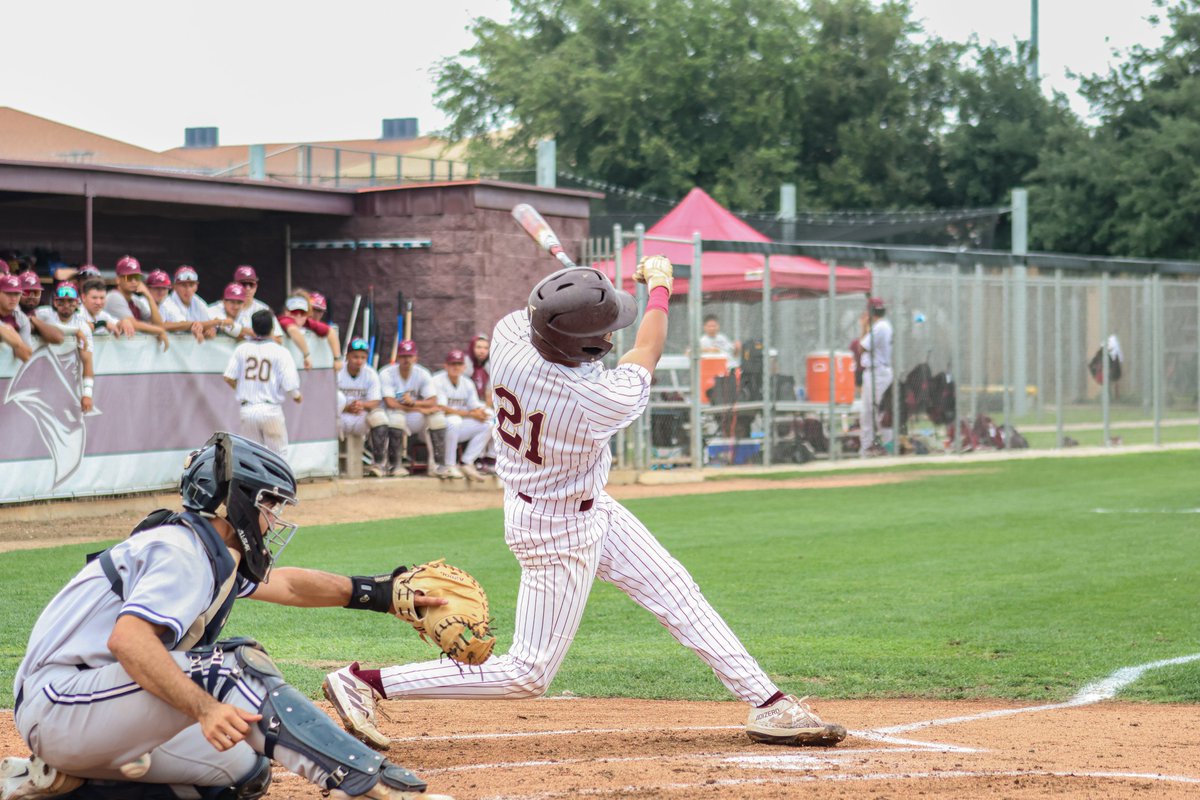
[(270, 71)]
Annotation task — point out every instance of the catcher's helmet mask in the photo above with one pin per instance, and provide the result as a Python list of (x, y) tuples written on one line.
[(573, 311), (252, 483)]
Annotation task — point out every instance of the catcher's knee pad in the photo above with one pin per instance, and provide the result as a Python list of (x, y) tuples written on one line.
[(289, 719), (377, 417), (437, 421)]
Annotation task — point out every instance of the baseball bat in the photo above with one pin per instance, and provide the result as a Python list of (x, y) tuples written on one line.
[(541, 232)]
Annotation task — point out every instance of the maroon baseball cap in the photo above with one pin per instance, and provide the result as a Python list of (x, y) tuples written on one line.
[(876, 303), (186, 273), (30, 282), (158, 280), (128, 265), (245, 273), (88, 271), (234, 291), (456, 357), (318, 301), (10, 284), (406, 348), (66, 291)]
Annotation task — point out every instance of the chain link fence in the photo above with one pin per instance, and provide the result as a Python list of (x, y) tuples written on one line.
[(989, 352)]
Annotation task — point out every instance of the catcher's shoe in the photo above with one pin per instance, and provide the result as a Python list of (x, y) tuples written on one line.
[(354, 701), (31, 779), (471, 473), (790, 721)]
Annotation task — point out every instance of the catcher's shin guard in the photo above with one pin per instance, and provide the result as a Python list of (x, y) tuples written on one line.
[(290, 720)]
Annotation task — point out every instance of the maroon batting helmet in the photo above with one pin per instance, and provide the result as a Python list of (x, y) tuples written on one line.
[(572, 311)]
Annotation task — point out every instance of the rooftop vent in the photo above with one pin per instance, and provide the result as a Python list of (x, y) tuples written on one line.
[(400, 128), (199, 137)]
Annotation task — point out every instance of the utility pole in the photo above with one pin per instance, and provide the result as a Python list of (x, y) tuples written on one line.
[(1033, 41)]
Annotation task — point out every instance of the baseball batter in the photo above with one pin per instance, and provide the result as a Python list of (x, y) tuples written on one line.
[(262, 373), (126, 679), (556, 409), (412, 405), (467, 418)]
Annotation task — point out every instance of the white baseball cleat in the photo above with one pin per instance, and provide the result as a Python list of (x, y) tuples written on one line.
[(453, 472), (354, 701), (791, 721), (33, 779), (471, 473)]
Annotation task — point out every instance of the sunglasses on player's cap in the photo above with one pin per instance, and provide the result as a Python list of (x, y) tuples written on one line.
[(66, 292), (359, 344)]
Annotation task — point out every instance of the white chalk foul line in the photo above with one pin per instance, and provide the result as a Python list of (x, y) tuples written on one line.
[(849, 778), (1104, 689)]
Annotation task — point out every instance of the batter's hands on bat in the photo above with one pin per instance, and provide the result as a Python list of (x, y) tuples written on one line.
[(655, 271), (224, 725)]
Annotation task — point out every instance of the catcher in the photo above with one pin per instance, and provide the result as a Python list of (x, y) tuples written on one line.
[(127, 690)]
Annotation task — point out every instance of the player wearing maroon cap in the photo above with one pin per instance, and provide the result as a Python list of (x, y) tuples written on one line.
[(31, 298), (14, 325), (228, 310), (411, 404), (247, 278), (300, 313), (91, 297), (131, 299)]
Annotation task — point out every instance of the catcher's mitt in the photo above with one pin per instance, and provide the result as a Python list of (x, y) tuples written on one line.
[(461, 627)]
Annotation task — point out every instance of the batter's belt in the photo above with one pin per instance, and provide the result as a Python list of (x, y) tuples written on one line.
[(584, 505)]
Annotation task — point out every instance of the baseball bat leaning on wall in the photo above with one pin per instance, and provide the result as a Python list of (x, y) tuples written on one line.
[(541, 232)]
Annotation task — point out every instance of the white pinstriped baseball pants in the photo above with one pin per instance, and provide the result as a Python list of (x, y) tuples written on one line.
[(264, 423), (560, 556)]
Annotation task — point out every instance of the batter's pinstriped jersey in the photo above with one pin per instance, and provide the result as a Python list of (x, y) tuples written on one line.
[(264, 371), (554, 422)]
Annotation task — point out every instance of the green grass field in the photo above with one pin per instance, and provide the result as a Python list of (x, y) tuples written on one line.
[(1004, 582)]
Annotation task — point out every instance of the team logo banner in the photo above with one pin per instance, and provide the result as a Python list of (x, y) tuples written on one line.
[(151, 408)]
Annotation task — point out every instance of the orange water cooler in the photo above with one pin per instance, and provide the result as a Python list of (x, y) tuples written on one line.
[(711, 368), (817, 377)]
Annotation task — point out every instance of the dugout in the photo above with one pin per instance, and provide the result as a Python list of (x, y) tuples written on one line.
[(451, 248)]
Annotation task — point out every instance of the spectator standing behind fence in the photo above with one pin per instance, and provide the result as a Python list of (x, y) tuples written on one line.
[(263, 373), (713, 342), (247, 278), (229, 309), (131, 300), (478, 351), (67, 316), (467, 419), (292, 322), (359, 397), (412, 407), (14, 325), (876, 343), (184, 306)]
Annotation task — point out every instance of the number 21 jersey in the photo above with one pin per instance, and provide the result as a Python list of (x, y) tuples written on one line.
[(554, 422)]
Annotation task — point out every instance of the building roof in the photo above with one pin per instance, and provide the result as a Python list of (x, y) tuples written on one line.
[(27, 137)]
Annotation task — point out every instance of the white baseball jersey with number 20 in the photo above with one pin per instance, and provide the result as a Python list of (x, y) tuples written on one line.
[(265, 375), (553, 425)]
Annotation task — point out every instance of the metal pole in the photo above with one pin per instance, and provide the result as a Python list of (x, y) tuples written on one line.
[(694, 299), (399, 169), (1104, 356), (1146, 346), (372, 182), (1159, 360), (956, 356), (1198, 348), (1058, 359), (976, 340), (287, 258), (639, 428), (835, 444), (337, 166), (1019, 315), (768, 378), (619, 336), (1006, 314), (88, 222), (1040, 348), (897, 360)]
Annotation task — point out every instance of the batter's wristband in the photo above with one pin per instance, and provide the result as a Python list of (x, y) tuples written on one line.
[(659, 296), (373, 592)]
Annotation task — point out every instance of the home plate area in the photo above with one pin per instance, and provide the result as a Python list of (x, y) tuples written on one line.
[(558, 748)]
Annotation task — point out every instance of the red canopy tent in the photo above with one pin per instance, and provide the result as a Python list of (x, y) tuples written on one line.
[(733, 273)]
